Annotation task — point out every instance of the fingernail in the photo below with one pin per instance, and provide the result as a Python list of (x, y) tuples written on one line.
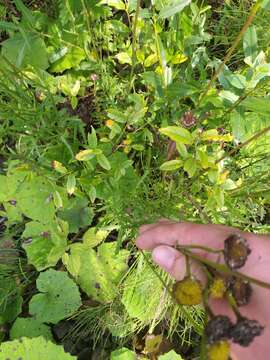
[(164, 256)]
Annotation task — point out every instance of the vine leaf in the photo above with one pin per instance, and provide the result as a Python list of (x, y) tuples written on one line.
[(30, 328)]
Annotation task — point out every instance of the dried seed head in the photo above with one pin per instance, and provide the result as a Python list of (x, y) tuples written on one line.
[(188, 119), (236, 251), (241, 291), (218, 288), (219, 351), (218, 329), (188, 291), (245, 330)]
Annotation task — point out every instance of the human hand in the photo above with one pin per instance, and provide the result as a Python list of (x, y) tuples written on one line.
[(161, 237)]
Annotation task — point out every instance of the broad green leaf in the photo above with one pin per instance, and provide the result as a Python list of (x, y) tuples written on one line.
[(213, 135), (19, 52), (35, 199), (236, 80), (171, 165), (124, 58), (85, 155), (77, 213), (123, 354), (97, 272), (71, 59), (29, 327), (190, 166), (10, 300), (117, 115), (170, 356), (27, 14), (33, 349), (259, 105), (103, 162), (71, 184), (45, 243), (59, 297), (175, 7), (93, 237), (177, 134), (250, 45)]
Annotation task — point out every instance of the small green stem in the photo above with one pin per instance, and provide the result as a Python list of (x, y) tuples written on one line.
[(134, 38), (199, 247)]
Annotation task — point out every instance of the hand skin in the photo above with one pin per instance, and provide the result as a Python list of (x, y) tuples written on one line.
[(161, 237)]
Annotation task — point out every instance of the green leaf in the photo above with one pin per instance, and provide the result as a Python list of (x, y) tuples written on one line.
[(35, 199), (190, 166), (77, 214), (250, 45), (33, 349), (27, 14), (124, 58), (29, 327), (97, 272), (93, 237), (92, 139), (151, 60), (171, 165), (117, 115), (59, 297), (175, 7), (117, 4), (45, 243), (177, 134), (72, 59), (259, 105), (71, 184), (236, 80), (103, 162), (170, 356), (18, 51), (123, 354)]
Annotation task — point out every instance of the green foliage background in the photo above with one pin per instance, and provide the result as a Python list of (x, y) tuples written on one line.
[(94, 143)]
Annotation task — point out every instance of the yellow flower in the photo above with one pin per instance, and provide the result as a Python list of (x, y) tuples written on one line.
[(219, 351), (188, 291), (218, 288), (109, 123)]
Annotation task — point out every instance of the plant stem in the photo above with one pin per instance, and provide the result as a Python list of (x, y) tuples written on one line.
[(134, 31), (223, 268), (227, 57), (199, 247)]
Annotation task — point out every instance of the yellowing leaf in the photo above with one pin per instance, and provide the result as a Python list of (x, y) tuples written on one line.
[(59, 167), (177, 134), (151, 60), (179, 58), (171, 165), (85, 155), (93, 237), (213, 135), (124, 58)]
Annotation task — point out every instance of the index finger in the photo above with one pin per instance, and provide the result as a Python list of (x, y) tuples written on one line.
[(184, 233)]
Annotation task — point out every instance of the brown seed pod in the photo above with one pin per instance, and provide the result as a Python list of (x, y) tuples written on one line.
[(188, 291), (236, 251), (241, 291), (219, 351), (218, 329), (245, 330), (188, 119)]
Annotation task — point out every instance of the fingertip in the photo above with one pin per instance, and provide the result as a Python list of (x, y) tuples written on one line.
[(165, 256)]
